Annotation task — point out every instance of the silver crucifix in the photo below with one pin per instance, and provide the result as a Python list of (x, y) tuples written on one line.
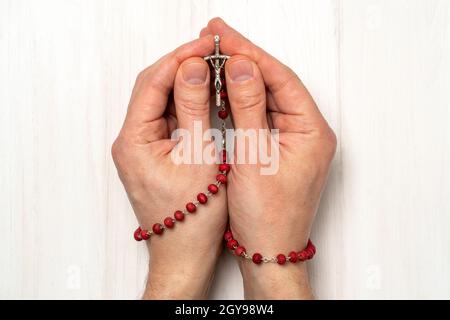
[(217, 61)]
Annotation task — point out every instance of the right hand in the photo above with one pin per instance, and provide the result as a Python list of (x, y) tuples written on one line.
[(273, 214)]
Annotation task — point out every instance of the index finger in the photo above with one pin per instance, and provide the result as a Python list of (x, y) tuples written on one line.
[(154, 84)]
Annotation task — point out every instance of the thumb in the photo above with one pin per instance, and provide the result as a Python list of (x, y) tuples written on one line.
[(246, 93), (191, 93)]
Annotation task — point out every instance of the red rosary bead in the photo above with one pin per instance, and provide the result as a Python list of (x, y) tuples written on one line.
[(178, 215), (224, 156), (145, 235), (311, 246), (239, 251), (257, 258), (158, 228), (213, 188), (222, 178), (223, 94), (293, 257), (191, 208), (137, 234), (232, 244), (281, 259), (202, 198), (223, 114), (309, 253), (228, 236), (169, 223), (302, 256), (224, 167)]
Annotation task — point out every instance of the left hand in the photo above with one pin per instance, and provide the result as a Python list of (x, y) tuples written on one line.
[(183, 260)]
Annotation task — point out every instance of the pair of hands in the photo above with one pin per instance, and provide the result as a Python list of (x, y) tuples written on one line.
[(268, 214)]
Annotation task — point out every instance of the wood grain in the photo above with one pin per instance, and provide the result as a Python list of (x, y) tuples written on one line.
[(379, 70)]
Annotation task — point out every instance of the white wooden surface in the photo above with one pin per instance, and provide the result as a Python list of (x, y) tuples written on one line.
[(380, 71)]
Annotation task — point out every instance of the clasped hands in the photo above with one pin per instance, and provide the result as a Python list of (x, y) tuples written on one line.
[(267, 213)]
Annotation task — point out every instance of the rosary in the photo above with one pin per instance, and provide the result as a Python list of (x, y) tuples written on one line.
[(217, 61)]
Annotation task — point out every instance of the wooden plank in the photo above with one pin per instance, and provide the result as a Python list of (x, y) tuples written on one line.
[(379, 70), (395, 143)]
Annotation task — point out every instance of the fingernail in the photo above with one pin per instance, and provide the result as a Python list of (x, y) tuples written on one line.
[(241, 70), (195, 73)]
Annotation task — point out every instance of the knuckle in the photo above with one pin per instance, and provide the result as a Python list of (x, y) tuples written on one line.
[(151, 79), (141, 76), (290, 80), (328, 142), (157, 82), (333, 140), (119, 151), (250, 100), (194, 107), (116, 150)]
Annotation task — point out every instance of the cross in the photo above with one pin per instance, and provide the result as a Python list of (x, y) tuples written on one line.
[(217, 61)]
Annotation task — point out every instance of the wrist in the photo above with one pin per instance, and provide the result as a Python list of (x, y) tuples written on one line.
[(272, 281), (180, 271), (182, 284), (182, 258), (264, 279), (183, 280)]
